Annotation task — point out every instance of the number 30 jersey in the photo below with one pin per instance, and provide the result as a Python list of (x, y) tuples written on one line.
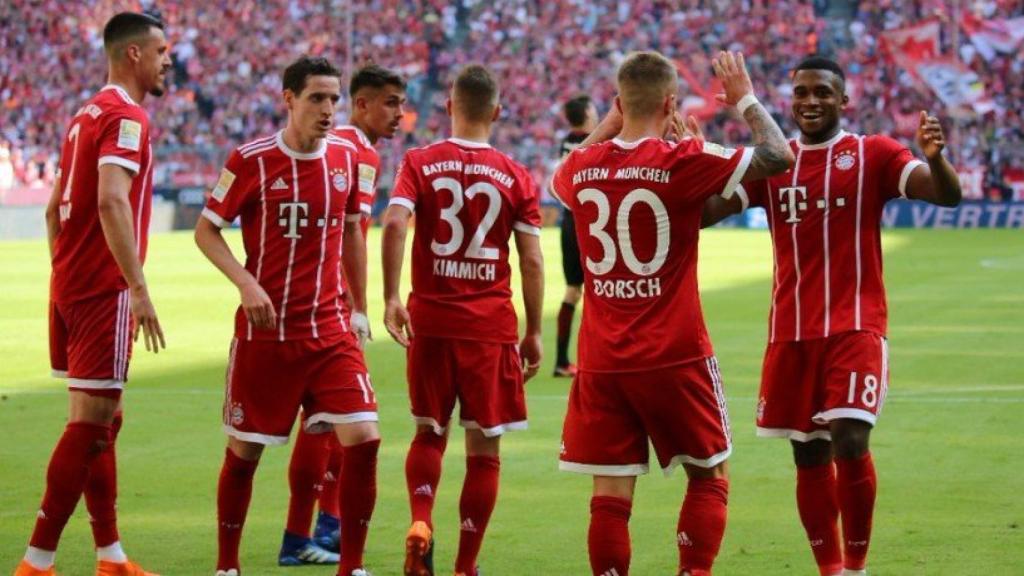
[(637, 207), (468, 199)]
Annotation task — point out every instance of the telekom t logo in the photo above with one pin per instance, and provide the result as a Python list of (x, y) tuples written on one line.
[(291, 216), (794, 200)]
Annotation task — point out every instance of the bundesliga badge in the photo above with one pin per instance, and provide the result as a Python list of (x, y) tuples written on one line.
[(845, 160), (339, 179)]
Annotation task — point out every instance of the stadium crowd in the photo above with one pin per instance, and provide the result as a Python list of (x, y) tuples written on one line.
[(228, 58)]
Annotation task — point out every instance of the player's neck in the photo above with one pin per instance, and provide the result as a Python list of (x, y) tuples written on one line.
[(294, 140), (472, 132), (639, 129), (360, 124), (818, 139), (128, 84)]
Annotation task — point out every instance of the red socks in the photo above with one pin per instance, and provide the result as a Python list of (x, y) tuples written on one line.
[(702, 524), (329, 494), (856, 483), (233, 494), (358, 485), (101, 491), (66, 476), (819, 513), (423, 474), (479, 494), (608, 538), (305, 474)]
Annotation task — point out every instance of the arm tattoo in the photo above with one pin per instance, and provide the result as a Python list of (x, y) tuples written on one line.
[(772, 154)]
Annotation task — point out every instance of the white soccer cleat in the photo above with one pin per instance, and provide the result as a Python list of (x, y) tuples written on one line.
[(360, 572), (848, 572), (231, 572)]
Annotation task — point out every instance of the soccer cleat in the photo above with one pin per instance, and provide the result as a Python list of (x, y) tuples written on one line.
[(327, 533), (566, 371), (231, 572), (26, 569), (419, 550), (300, 551), (476, 572), (129, 568), (360, 572)]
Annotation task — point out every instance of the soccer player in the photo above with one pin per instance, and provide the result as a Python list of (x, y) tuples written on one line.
[(378, 104), (296, 193), (826, 368), (460, 328), (646, 367), (97, 224), (581, 114)]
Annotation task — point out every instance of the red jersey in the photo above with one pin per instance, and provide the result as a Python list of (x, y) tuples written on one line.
[(825, 220), (637, 207), (110, 129), (468, 199), (368, 162), (293, 208)]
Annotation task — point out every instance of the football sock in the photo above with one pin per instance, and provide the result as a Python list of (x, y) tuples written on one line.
[(856, 484), (819, 513), (66, 476), (608, 537), (423, 474), (233, 494), (112, 553), (101, 491), (329, 493), (40, 559), (358, 496), (305, 472), (479, 494), (565, 314), (702, 523)]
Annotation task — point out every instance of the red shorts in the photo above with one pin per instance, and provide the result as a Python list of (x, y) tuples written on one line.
[(485, 377), (268, 381), (91, 344), (805, 385), (611, 416)]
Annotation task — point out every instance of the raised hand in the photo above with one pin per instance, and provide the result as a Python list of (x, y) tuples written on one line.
[(731, 69), (930, 138)]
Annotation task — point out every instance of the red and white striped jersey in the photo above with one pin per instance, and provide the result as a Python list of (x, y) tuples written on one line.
[(368, 163), (110, 129), (637, 207), (293, 207), (825, 220), (468, 199)]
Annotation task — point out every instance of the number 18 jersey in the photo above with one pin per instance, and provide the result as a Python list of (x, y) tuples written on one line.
[(637, 207), (468, 199)]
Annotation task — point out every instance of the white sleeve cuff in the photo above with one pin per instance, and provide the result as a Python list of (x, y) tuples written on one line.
[(119, 161), (365, 208), (526, 228), (738, 173), (215, 218), (905, 175), (403, 202)]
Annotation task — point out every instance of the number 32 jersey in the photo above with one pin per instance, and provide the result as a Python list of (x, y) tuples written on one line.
[(468, 199), (637, 207)]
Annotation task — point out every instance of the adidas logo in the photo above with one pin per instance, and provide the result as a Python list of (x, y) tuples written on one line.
[(683, 539), (467, 525), (279, 184), (612, 572), (424, 490)]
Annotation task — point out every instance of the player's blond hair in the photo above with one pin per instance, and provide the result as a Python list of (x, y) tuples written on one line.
[(475, 93), (644, 79)]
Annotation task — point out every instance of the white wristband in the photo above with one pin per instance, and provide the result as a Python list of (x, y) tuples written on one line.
[(746, 102)]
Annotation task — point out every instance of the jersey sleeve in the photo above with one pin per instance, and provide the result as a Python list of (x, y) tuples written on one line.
[(527, 217), (561, 181), (406, 191), (122, 137), (753, 193), (369, 168), (710, 168), (895, 162), (353, 202), (231, 194)]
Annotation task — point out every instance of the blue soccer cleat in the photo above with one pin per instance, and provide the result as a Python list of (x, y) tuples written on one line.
[(327, 533), (301, 551)]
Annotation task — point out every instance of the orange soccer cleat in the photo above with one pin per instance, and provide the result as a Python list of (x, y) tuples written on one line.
[(129, 568), (26, 569), (419, 550)]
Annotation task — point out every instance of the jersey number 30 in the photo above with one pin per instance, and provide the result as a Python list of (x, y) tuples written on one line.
[(624, 234)]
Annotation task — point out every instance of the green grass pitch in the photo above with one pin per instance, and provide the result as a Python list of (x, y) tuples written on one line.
[(949, 447)]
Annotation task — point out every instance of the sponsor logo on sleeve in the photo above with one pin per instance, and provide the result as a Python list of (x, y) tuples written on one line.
[(227, 178), (718, 150), (367, 174), (129, 136)]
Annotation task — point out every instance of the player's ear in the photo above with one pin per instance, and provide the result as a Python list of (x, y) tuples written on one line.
[(448, 106), (497, 113), (289, 98), (844, 101)]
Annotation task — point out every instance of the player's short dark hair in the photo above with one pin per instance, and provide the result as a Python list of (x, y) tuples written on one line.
[(575, 109), (126, 26), (374, 76), (295, 75), (476, 92), (821, 63)]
